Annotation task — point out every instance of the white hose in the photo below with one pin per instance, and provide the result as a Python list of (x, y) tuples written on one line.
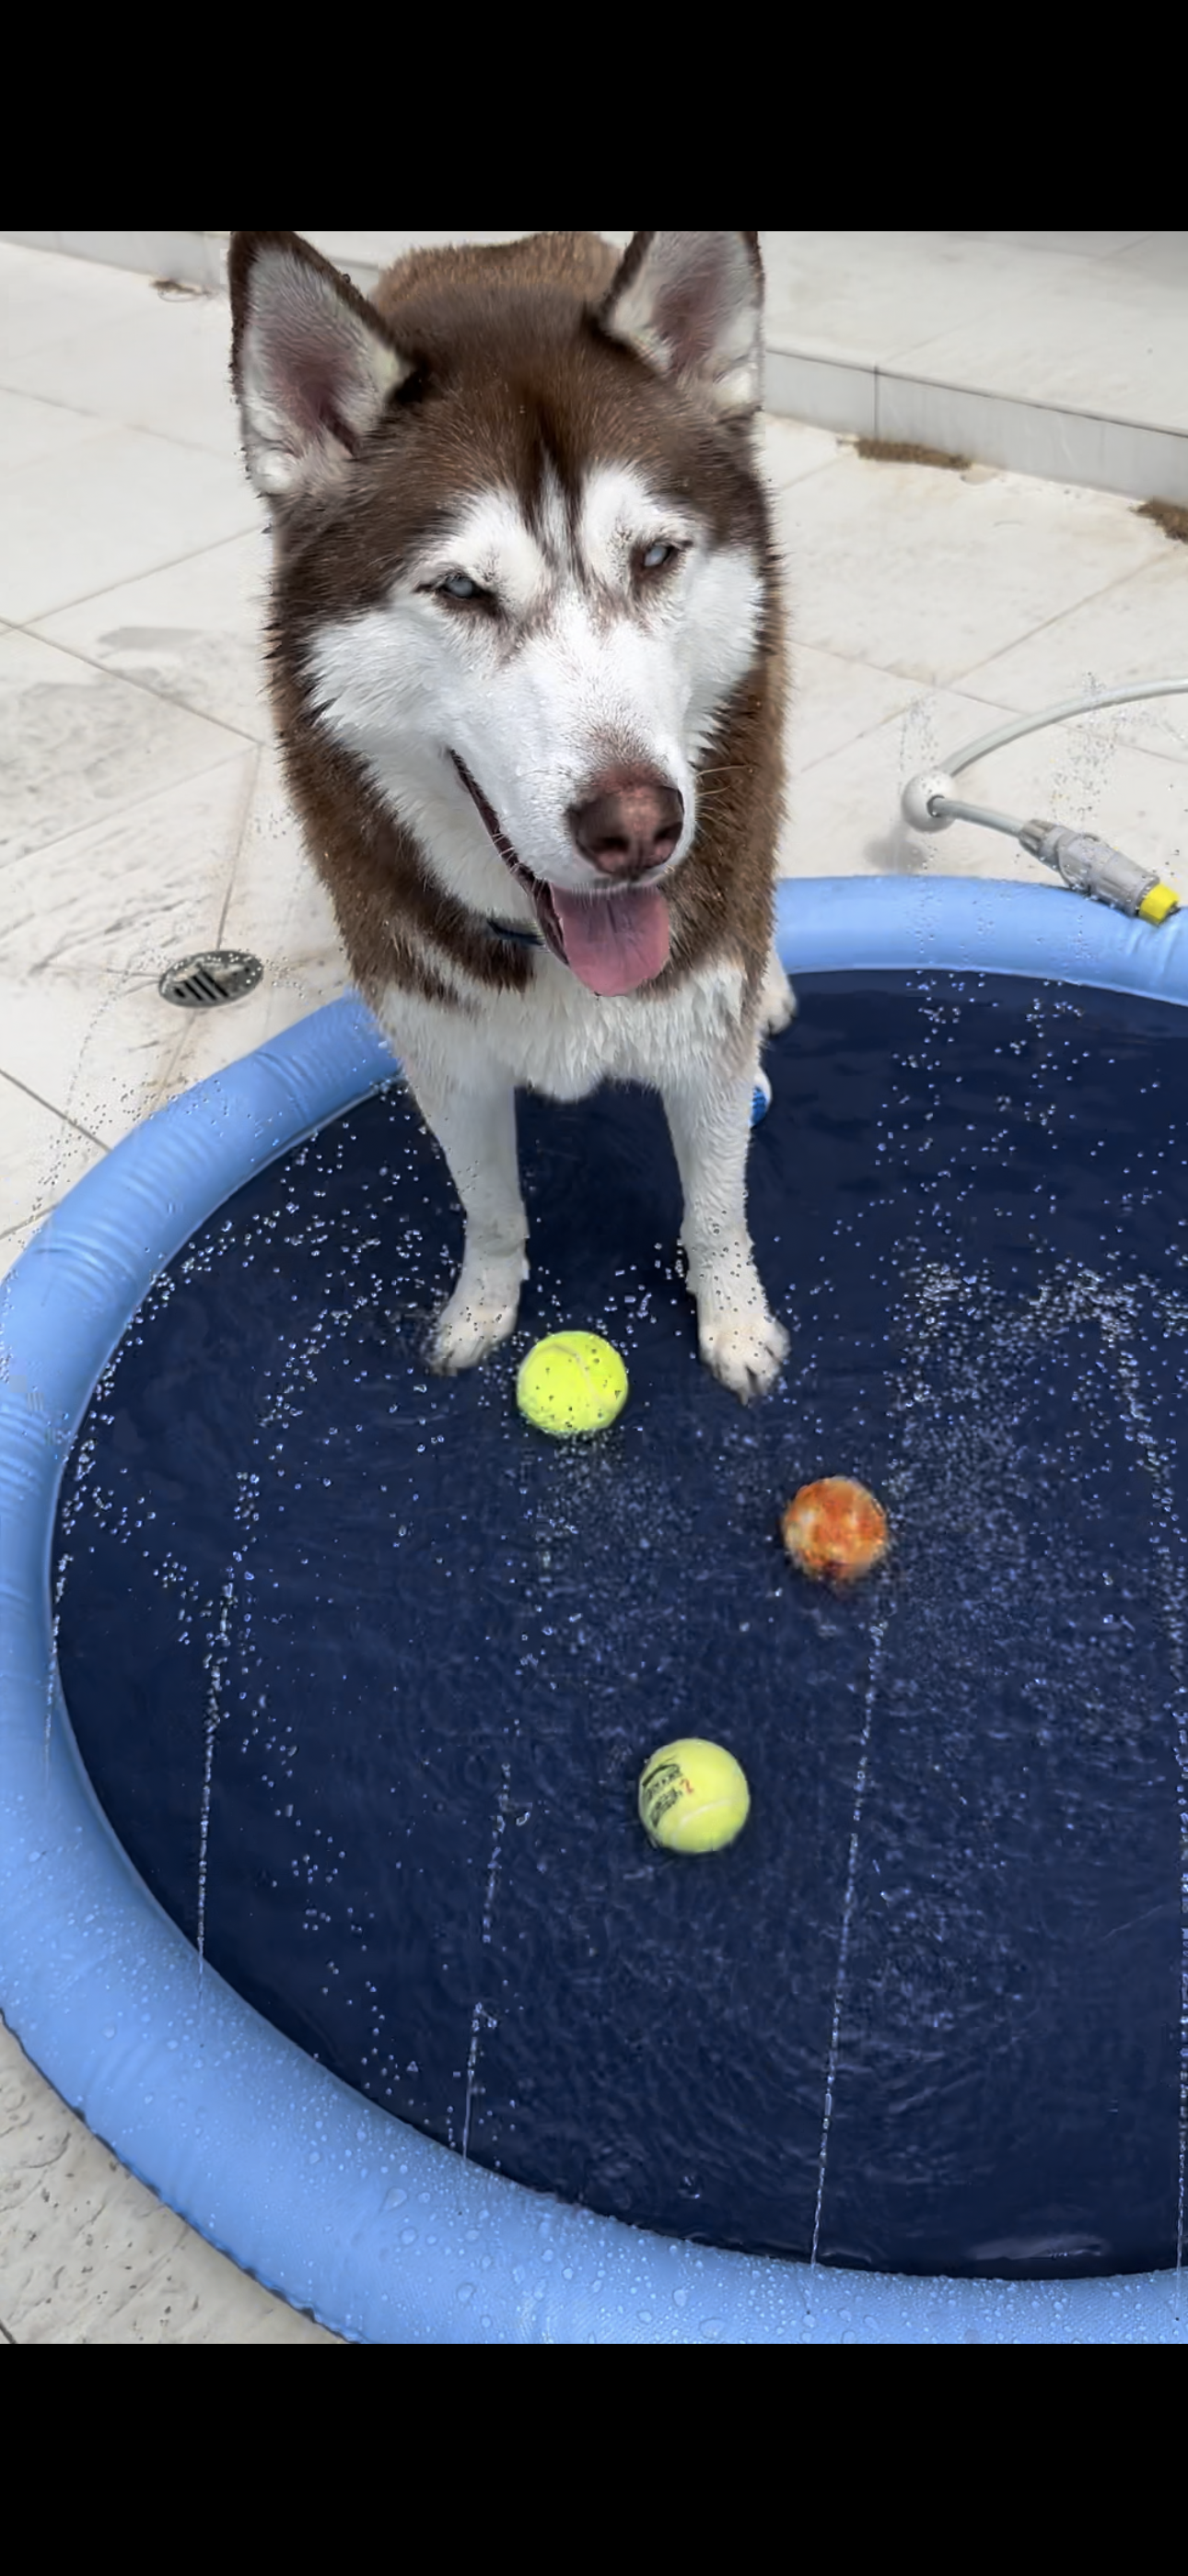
[(955, 812), (988, 742)]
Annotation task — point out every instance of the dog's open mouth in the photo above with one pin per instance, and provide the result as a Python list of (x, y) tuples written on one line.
[(611, 942)]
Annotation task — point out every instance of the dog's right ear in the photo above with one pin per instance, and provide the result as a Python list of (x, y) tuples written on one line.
[(311, 361)]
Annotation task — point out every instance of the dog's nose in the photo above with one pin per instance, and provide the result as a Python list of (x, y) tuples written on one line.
[(629, 827)]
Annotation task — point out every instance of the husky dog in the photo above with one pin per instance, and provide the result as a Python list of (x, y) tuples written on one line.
[(528, 677)]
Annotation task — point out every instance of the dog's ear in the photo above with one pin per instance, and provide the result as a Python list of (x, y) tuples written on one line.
[(692, 304), (311, 362)]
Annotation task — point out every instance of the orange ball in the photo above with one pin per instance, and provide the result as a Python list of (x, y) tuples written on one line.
[(834, 1530)]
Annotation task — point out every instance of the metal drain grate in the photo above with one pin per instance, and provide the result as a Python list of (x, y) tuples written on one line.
[(218, 975)]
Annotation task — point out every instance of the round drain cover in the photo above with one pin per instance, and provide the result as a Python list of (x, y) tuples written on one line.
[(218, 975)]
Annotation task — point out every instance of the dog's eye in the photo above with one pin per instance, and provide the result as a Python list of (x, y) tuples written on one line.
[(458, 585), (658, 557)]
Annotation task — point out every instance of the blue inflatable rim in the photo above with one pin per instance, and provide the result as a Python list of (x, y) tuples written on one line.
[(373, 2229)]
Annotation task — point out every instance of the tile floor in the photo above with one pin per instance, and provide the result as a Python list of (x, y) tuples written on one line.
[(1059, 354), (141, 813)]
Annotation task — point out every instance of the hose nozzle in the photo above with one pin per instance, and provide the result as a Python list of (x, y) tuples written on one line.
[(1095, 868)]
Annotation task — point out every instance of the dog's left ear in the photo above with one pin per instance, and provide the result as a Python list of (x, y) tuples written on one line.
[(692, 304)]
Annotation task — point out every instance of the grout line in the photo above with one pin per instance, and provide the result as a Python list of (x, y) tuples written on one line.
[(133, 679), (104, 422), (873, 376), (898, 372), (131, 805), (1048, 442), (245, 816), (91, 421), (1092, 598), (28, 625), (174, 1056), (54, 1112)]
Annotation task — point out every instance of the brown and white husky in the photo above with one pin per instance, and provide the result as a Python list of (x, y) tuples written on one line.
[(528, 676)]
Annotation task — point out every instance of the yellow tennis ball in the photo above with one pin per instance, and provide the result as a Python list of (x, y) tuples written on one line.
[(571, 1382), (693, 1796)]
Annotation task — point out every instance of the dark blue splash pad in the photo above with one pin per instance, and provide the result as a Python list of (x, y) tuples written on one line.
[(407, 1658)]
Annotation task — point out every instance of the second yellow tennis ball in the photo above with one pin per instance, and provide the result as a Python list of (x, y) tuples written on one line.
[(693, 1796), (571, 1383)]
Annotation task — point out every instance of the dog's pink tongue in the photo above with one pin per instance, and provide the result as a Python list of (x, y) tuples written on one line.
[(614, 941)]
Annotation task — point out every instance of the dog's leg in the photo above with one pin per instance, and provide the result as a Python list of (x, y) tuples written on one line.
[(709, 1117), (476, 1130), (777, 1001)]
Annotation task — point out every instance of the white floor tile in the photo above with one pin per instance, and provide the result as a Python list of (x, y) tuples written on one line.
[(154, 254), (88, 2255), (192, 632), (1082, 245), (30, 430), (108, 509), (91, 924), (871, 297), (843, 815), (1161, 255), (276, 909), (43, 299), (43, 1157), (835, 702), (164, 368), (78, 745), (916, 570), (1124, 356), (1136, 629), (791, 449), (278, 906)]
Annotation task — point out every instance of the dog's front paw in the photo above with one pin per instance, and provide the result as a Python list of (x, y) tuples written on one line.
[(480, 1315), (777, 1001), (737, 1334), (746, 1351)]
